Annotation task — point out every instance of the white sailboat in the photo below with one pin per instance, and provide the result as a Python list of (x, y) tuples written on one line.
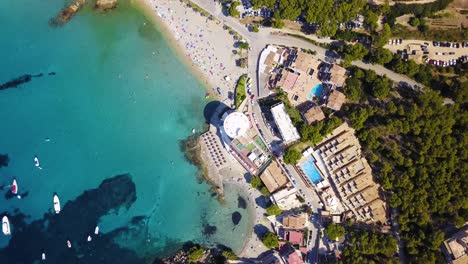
[(89, 238), (14, 187), (56, 204), (43, 256), (6, 226), (68, 244), (96, 230), (36, 163)]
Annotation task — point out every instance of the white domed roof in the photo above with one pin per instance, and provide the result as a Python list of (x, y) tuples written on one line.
[(236, 124)]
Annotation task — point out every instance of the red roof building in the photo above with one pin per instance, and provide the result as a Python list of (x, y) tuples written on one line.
[(294, 237)]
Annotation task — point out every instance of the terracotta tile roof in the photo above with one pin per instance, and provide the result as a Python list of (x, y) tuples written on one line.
[(287, 81), (337, 75), (314, 114), (336, 100), (295, 221), (273, 177), (294, 237)]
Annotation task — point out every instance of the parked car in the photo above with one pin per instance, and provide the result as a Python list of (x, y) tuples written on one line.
[(218, 89)]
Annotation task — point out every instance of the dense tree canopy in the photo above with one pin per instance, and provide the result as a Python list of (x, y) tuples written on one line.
[(369, 247), (334, 231), (418, 150)]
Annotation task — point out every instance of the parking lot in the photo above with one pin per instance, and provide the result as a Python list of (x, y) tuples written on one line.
[(436, 53)]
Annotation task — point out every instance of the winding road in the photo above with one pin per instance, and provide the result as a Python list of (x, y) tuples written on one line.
[(268, 36)]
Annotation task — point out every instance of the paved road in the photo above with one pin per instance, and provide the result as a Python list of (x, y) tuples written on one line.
[(258, 41)]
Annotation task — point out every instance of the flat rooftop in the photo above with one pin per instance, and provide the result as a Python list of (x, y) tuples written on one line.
[(283, 121)]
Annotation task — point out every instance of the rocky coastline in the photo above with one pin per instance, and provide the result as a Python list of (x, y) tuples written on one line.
[(192, 151)]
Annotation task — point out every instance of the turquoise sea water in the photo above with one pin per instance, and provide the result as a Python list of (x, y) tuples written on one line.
[(120, 102)]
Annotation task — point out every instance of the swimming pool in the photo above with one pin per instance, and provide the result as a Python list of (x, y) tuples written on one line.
[(315, 91), (311, 171)]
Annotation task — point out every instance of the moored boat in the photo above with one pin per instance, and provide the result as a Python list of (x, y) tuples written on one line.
[(14, 187), (56, 204), (89, 238), (68, 244), (6, 226), (43, 256), (96, 230)]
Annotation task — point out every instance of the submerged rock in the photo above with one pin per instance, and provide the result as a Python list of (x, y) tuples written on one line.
[(236, 217), (75, 222), (105, 4), (209, 230), (4, 159), (241, 203), (67, 13)]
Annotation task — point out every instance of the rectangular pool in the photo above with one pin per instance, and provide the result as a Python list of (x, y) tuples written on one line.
[(315, 91), (311, 171)]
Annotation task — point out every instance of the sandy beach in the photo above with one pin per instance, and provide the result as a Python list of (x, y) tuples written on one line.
[(208, 49), (203, 43)]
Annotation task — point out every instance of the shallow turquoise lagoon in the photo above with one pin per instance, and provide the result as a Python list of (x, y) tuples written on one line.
[(112, 99)]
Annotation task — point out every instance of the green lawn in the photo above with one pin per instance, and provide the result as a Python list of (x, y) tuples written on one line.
[(240, 90)]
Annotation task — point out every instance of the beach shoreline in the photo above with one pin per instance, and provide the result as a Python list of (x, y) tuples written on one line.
[(202, 45), (180, 38)]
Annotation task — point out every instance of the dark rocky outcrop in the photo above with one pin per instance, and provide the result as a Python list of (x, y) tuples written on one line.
[(67, 13)]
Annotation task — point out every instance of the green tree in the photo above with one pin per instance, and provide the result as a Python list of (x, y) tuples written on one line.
[(270, 240), (383, 36), (195, 254), (371, 18), (255, 182), (291, 155), (273, 210), (381, 56), (233, 9), (334, 231), (353, 52), (255, 29), (277, 22), (243, 45), (229, 255), (265, 191), (381, 87), (414, 21)]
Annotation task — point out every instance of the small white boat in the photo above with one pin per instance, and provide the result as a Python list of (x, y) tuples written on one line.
[(36, 162), (96, 230), (68, 244), (6, 226), (43, 256), (56, 204), (14, 187), (193, 131), (89, 238)]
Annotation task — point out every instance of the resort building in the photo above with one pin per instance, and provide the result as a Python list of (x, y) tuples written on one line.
[(296, 222), (343, 177), (336, 99), (286, 198), (273, 177), (283, 121), (314, 114), (456, 247), (242, 142)]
